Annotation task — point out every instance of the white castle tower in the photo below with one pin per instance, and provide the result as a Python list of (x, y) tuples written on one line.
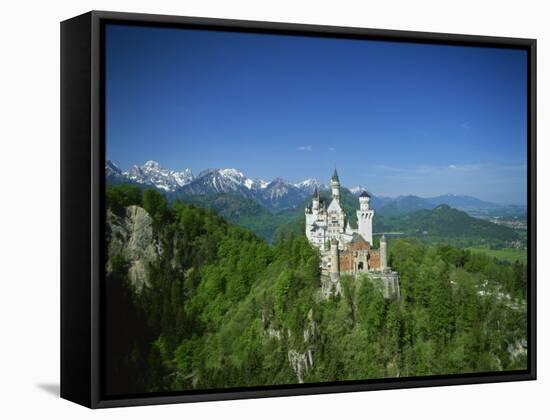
[(315, 202), (364, 217), (336, 217), (335, 185)]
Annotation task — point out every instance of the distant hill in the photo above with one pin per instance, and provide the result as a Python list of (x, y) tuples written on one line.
[(411, 203), (444, 223), (462, 202), (247, 213), (393, 206), (404, 205)]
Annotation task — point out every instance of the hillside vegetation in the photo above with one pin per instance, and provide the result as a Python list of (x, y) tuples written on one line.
[(505, 254), (221, 308), (444, 224), (410, 215), (247, 213)]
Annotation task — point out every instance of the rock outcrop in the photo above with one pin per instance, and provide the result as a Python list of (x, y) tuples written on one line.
[(132, 237), (300, 363)]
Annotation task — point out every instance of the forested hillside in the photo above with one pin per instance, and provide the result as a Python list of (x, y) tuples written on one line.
[(444, 224), (194, 302), (247, 213)]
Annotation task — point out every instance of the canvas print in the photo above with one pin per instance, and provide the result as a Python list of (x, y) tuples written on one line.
[(284, 210)]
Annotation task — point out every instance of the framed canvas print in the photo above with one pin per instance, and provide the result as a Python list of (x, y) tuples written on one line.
[(255, 209)]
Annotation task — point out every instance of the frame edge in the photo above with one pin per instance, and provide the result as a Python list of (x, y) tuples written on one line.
[(95, 19), (75, 126)]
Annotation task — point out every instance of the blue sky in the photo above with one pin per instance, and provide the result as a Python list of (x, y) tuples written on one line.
[(395, 118)]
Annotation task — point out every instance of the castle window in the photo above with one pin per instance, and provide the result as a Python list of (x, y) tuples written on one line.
[(360, 266)]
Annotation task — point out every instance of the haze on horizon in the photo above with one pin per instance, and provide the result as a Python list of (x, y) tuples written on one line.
[(395, 118)]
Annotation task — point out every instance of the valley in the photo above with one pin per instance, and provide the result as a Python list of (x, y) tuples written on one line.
[(268, 207)]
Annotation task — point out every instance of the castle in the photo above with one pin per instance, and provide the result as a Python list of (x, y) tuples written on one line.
[(345, 249)]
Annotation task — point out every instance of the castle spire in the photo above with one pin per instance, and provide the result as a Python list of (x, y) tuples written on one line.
[(335, 176), (335, 185)]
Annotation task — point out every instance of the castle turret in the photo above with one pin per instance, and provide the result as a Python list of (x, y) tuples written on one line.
[(335, 185), (383, 253), (334, 261), (315, 201), (364, 200), (364, 217)]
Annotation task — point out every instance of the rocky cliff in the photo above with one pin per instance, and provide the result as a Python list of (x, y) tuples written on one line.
[(131, 236)]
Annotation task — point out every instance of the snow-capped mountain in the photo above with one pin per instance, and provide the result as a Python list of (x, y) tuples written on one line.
[(213, 181), (276, 195), (280, 195), (151, 173), (357, 190), (113, 174), (310, 184), (255, 184)]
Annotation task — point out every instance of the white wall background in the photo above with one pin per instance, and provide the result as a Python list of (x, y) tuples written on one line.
[(29, 210)]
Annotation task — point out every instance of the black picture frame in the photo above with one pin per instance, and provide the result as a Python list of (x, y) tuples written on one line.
[(82, 206)]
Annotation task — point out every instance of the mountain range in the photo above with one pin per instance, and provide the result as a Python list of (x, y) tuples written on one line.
[(280, 195), (276, 195), (151, 173)]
